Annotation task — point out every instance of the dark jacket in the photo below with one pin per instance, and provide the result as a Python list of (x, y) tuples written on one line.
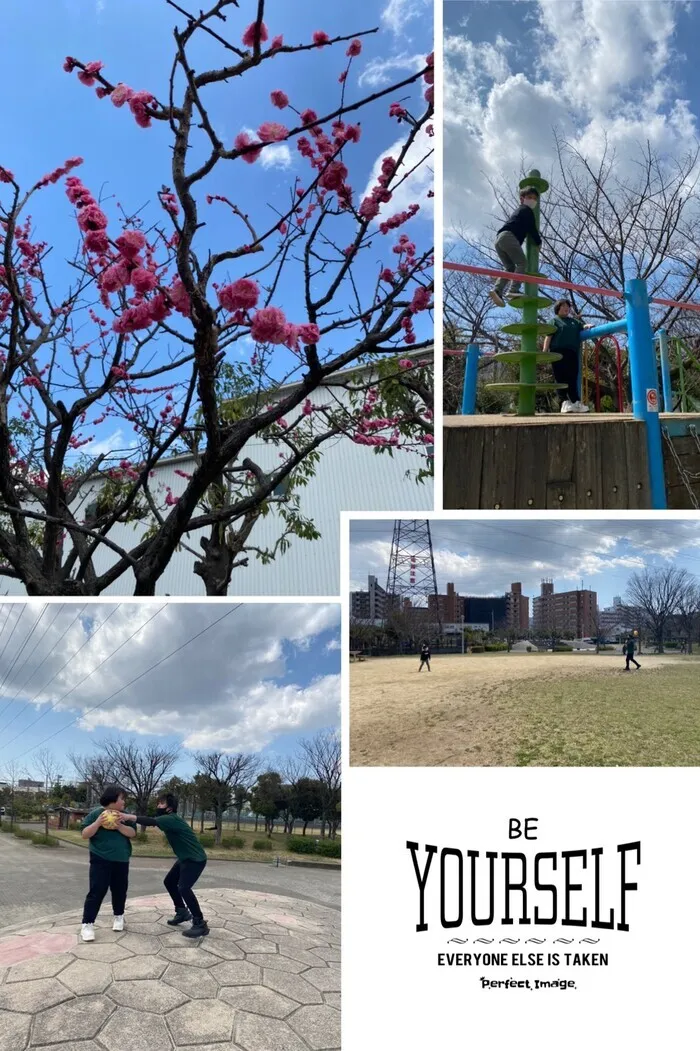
[(522, 224)]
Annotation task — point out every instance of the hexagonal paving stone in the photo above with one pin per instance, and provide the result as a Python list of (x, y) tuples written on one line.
[(138, 968), (236, 972), (33, 996), (199, 985), (332, 999), (325, 979), (153, 929), (276, 963), (190, 957), (135, 1031), (87, 976), (43, 967), (301, 941), (302, 955), (153, 996), (325, 952), (319, 1027), (255, 1033), (140, 944), (256, 945), (14, 1031), (77, 1045), (292, 985), (79, 1019), (258, 1000), (201, 1022), (103, 953), (222, 945)]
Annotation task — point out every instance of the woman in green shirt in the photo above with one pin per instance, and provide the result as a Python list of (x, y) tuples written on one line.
[(565, 341), (110, 850)]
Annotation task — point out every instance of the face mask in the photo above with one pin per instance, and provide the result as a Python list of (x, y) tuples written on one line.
[(530, 203), (161, 809)]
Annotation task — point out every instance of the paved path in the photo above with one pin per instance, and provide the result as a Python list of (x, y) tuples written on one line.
[(37, 881), (267, 978)]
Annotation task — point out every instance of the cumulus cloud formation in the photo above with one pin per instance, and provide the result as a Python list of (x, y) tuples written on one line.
[(230, 689), (583, 69), (414, 188), (398, 14), (485, 557)]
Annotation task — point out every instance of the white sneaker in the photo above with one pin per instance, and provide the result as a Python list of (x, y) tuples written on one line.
[(87, 932), (118, 924), (568, 406), (496, 298), (579, 406)]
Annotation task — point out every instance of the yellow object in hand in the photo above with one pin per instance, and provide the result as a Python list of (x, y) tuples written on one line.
[(110, 819)]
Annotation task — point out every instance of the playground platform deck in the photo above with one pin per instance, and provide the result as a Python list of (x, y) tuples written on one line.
[(570, 462)]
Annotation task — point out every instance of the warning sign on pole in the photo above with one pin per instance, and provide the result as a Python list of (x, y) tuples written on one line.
[(652, 400)]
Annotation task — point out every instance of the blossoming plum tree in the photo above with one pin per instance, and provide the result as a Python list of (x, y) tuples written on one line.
[(144, 335)]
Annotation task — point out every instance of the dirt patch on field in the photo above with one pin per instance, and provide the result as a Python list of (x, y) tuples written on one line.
[(480, 710)]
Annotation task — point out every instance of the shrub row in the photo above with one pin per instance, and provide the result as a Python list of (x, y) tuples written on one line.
[(207, 839), (38, 838), (325, 848)]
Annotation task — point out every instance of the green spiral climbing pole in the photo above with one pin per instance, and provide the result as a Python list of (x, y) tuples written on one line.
[(529, 328)]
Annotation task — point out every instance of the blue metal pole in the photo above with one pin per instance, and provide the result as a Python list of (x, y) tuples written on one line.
[(471, 373), (645, 384), (609, 329), (665, 370)]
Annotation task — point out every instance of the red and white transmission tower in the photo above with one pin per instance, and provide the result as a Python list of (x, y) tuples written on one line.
[(411, 581)]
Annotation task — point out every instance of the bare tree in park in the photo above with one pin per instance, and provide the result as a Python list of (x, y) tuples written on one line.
[(225, 773), (657, 594), (95, 771), (688, 615), (322, 753), (141, 770), (12, 771), (45, 761), (149, 334)]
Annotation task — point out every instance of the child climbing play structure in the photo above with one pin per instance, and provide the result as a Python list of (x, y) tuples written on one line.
[(646, 459)]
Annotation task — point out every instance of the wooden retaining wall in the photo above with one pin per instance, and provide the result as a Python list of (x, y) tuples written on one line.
[(550, 462)]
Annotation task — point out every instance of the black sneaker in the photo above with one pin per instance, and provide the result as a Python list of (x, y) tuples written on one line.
[(181, 916), (197, 930)]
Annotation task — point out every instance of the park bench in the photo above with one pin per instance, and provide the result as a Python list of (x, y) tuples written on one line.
[(357, 655)]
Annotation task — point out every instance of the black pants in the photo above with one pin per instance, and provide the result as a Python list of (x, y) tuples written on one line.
[(179, 882), (566, 371), (628, 658), (426, 661), (106, 875)]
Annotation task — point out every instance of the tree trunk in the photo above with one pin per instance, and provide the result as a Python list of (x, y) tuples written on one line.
[(303, 831), (216, 567), (201, 822)]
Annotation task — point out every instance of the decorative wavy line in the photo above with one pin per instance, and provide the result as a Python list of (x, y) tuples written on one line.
[(590, 941), (566, 941), (510, 941), (485, 941), (460, 941), (537, 941)]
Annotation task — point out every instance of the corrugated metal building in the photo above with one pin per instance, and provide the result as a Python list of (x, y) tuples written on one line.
[(349, 477)]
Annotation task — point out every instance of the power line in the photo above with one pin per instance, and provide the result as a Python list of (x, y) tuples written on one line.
[(21, 649), (85, 677), (136, 678), (14, 626), (64, 665), (31, 675)]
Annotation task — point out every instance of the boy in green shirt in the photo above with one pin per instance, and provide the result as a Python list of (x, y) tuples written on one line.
[(110, 851), (190, 864), (565, 341)]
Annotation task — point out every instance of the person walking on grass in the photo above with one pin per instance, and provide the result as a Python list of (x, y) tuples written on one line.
[(629, 650), (424, 657), (509, 242), (110, 851), (565, 341), (190, 864)]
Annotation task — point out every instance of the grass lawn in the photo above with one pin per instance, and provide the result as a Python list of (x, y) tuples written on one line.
[(526, 710), (157, 847)]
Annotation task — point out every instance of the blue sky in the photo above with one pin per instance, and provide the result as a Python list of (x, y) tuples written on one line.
[(516, 71), (265, 677), (484, 557), (58, 117)]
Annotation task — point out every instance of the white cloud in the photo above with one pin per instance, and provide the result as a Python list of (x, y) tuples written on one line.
[(334, 644), (381, 71), (399, 13), (599, 70), (278, 156), (231, 686)]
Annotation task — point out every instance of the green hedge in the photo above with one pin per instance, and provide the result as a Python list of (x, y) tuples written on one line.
[(302, 844), (42, 840), (562, 648), (325, 848), (232, 842), (206, 839), (22, 833), (477, 649), (328, 848), (5, 827), (495, 647), (262, 844)]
